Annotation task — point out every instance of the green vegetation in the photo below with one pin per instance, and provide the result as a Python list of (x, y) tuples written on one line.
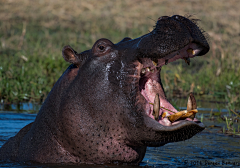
[(33, 34)]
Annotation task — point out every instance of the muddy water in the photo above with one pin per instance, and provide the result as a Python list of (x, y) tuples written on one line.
[(206, 149)]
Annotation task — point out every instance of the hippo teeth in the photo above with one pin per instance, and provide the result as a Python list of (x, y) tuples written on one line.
[(191, 51), (154, 63), (143, 71), (189, 113), (148, 69), (156, 107), (191, 104), (164, 114), (177, 116)]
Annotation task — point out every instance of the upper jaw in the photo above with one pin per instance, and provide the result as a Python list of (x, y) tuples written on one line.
[(172, 35), (189, 51)]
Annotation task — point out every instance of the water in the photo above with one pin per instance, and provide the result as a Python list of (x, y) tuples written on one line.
[(206, 149), (11, 123)]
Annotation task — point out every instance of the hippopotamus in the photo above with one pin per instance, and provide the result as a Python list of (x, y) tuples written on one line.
[(107, 106)]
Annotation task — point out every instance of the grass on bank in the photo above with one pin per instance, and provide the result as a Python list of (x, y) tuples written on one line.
[(33, 34)]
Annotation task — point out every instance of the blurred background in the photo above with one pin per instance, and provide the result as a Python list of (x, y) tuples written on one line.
[(33, 33)]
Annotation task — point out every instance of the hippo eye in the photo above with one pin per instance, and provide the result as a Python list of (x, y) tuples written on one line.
[(101, 47)]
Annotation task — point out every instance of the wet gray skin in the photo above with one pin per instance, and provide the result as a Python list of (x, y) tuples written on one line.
[(99, 110)]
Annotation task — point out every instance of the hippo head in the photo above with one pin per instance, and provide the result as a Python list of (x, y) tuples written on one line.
[(106, 114)]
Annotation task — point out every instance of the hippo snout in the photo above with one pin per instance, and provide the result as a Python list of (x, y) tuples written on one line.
[(171, 34)]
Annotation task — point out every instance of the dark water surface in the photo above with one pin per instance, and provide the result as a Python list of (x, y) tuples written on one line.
[(203, 150)]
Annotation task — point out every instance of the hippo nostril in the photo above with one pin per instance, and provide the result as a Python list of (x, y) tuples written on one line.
[(163, 17)]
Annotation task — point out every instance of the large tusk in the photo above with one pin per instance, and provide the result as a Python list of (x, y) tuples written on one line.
[(191, 104), (191, 107), (156, 107)]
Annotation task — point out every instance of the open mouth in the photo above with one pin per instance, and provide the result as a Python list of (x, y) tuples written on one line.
[(150, 86)]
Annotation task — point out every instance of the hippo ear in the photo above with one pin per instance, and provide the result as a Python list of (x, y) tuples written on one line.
[(70, 55)]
